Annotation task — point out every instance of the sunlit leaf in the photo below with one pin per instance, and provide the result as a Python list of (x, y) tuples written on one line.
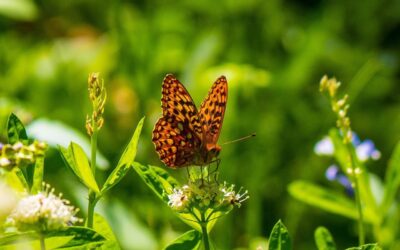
[(71, 237), (38, 175), (324, 239), (279, 238), (76, 159), (157, 179), (125, 161), (323, 198), (392, 180), (15, 130), (15, 179), (82, 236), (188, 240), (101, 226)]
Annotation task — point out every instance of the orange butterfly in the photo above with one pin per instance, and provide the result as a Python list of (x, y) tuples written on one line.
[(184, 136)]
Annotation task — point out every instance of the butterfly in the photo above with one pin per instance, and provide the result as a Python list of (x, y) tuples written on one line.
[(185, 136)]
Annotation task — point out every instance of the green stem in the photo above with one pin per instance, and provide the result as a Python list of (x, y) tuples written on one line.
[(91, 205), (355, 175), (204, 232), (42, 242), (93, 142), (92, 195)]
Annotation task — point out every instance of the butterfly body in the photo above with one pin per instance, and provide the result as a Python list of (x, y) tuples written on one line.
[(184, 136)]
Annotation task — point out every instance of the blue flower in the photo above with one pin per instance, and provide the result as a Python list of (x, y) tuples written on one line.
[(333, 173), (324, 146), (365, 149)]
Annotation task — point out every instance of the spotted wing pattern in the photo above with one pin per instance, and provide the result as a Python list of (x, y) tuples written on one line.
[(212, 110), (175, 143), (177, 103)]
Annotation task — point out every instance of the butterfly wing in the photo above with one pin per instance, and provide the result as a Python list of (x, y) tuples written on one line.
[(212, 110), (175, 143), (176, 133), (177, 103)]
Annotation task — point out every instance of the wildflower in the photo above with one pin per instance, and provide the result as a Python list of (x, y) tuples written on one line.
[(179, 198), (43, 212), (203, 194), (324, 147), (333, 173), (365, 150), (233, 198)]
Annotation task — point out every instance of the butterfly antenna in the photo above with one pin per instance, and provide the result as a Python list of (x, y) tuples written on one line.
[(240, 139)]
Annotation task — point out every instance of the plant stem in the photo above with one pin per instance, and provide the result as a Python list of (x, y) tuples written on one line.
[(355, 175), (42, 242), (91, 205), (204, 232), (93, 142), (92, 195)]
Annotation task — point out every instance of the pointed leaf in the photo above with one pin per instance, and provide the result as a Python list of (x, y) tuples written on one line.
[(392, 180), (80, 236), (322, 198), (15, 130), (101, 226), (324, 239), (125, 161), (76, 159), (188, 240), (157, 179), (279, 238), (38, 175)]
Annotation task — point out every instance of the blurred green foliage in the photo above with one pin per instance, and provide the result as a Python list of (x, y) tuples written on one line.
[(273, 54)]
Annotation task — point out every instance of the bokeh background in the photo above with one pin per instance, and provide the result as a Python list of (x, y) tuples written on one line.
[(273, 54)]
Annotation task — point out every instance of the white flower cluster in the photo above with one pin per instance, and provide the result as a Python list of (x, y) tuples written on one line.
[(203, 194), (43, 212)]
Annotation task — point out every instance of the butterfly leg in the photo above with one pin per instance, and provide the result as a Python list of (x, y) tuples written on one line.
[(188, 173), (215, 171)]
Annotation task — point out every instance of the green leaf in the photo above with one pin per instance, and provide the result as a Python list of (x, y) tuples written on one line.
[(76, 159), (14, 179), (101, 226), (82, 236), (78, 236), (324, 239), (157, 179), (392, 180), (38, 175), (188, 240), (323, 198), (279, 238), (371, 246), (125, 161), (15, 130), (11, 238)]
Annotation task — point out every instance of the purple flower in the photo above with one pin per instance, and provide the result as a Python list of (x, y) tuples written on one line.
[(333, 173), (365, 149)]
